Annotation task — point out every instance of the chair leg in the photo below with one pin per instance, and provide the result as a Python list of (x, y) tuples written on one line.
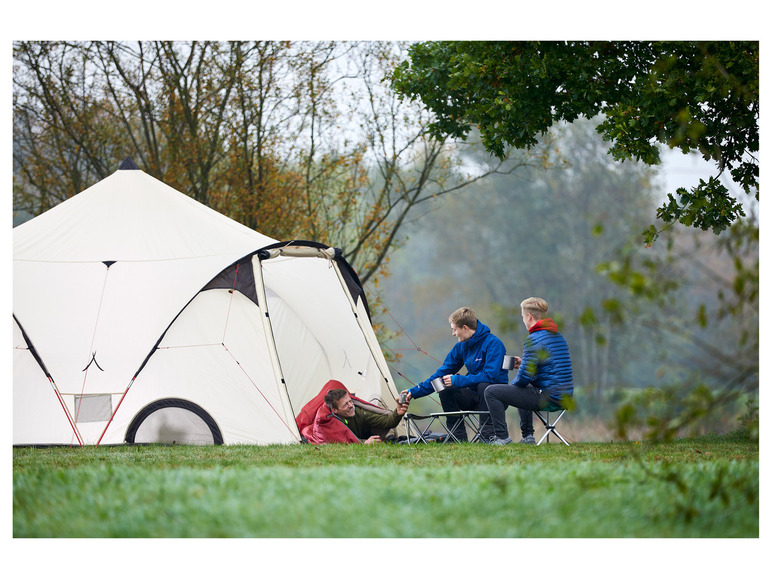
[(550, 427), (477, 422)]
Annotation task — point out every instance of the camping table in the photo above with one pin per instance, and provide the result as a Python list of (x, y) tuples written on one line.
[(473, 419)]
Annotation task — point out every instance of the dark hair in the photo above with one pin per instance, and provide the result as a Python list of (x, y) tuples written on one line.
[(332, 397)]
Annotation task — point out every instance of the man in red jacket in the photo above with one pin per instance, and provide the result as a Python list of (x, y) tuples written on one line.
[(364, 424), (332, 416)]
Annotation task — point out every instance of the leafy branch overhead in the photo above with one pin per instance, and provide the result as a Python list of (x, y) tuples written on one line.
[(694, 96)]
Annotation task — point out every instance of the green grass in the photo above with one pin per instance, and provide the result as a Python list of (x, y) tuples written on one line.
[(704, 487)]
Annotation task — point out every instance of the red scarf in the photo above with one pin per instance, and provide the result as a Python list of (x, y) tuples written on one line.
[(545, 324)]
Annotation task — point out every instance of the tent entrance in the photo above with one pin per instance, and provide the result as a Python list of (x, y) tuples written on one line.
[(173, 421)]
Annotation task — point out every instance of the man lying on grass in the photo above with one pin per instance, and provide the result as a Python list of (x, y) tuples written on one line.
[(363, 423), (340, 420)]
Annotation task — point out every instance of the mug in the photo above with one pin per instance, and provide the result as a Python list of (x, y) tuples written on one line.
[(508, 363), (438, 384)]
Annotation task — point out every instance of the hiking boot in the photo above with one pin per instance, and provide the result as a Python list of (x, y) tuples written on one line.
[(528, 439), (500, 441)]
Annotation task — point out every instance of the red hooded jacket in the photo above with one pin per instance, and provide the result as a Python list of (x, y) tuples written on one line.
[(317, 423)]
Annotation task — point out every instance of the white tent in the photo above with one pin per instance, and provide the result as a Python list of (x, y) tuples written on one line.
[(141, 315)]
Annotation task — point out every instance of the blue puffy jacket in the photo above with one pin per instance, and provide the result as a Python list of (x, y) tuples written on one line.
[(546, 363), (482, 354)]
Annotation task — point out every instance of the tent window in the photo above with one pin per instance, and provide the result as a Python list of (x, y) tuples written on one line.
[(93, 408)]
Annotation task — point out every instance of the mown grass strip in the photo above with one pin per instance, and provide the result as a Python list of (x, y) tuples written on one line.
[(707, 448)]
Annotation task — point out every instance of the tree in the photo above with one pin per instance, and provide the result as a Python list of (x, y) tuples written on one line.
[(706, 291), (404, 169), (696, 96), (299, 139)]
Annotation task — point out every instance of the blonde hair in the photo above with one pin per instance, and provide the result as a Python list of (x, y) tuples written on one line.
[(537, 307), (464, 317)]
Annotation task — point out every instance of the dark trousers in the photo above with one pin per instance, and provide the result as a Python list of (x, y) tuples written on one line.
[(525, 399), (458, 399)]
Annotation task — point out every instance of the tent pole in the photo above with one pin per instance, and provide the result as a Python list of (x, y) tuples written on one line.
[(66, 412), (265, 318), (109, 422)]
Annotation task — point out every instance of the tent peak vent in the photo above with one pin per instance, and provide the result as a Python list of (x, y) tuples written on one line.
[(128, 164)]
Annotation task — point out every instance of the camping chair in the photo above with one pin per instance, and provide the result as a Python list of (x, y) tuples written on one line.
[(475, 420), (550, 426)]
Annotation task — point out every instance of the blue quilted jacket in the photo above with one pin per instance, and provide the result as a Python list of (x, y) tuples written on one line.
[(546, 364)]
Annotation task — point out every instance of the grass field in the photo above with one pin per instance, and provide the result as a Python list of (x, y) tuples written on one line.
[(701, 487)]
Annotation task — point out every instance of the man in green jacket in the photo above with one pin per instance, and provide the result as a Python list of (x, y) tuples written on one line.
[(367, 426)]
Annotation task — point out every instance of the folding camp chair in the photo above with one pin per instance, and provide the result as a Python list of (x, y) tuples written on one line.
[(475, 420), (550, 426)]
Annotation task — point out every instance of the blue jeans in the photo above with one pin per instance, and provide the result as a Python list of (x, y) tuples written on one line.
[(457, 399), (525, 399)]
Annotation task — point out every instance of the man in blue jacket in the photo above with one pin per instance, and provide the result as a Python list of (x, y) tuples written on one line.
[(482, 353), (544, 375)]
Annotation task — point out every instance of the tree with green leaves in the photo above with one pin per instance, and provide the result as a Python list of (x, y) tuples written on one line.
[(694, 96)]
